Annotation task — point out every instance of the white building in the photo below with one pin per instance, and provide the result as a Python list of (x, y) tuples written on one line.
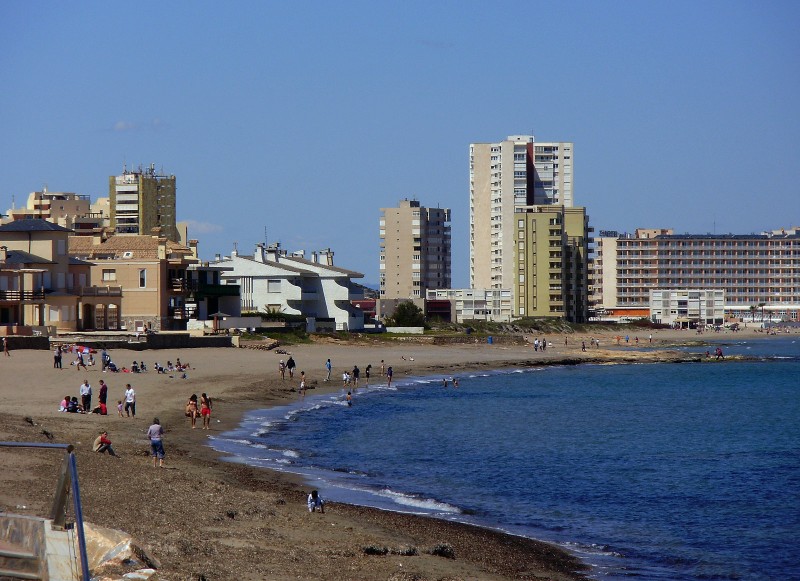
[(682, 307), (470, 304), (273, 280), (513, 173)]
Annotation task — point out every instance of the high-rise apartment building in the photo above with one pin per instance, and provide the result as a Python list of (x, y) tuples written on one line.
[(760, 273), (551, 262), (142, 200), (415, 250), (504, 176)]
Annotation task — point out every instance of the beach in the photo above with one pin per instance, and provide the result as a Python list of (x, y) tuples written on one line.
[(204, 518)]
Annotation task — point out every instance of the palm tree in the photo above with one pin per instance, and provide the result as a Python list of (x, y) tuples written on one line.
[(753, 312), (762, 311)]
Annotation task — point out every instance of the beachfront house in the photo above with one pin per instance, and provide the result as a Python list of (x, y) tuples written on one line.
[(271, 279), (41, 285), (164, 284)]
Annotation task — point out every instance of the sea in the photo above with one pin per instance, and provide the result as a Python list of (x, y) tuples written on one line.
[(662, 471)]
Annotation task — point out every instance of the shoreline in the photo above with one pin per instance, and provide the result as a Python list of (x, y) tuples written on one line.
[(200, 536)]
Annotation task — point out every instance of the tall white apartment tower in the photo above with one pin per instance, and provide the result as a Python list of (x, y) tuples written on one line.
[(503, 176), (415, 250)]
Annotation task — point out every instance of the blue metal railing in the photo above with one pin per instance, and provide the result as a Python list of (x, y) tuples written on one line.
[(69, 470)]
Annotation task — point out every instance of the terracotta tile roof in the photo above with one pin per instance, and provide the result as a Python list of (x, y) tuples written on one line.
[(140, 247)]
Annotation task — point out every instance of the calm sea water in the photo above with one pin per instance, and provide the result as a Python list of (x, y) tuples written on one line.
[(659, 471)]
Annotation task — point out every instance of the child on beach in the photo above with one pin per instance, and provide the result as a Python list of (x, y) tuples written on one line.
[(119, 408), (315, 502)]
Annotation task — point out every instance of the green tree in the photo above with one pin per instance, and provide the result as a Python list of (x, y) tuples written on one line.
[(407, 314)]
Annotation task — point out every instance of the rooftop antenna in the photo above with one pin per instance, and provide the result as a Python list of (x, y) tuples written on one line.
[(266, 240)]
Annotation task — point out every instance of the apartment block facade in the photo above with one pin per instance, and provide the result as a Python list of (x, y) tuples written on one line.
[(551, 263), (73, 211), (753, 270), (415, 251), (142, 200), (517, 172)]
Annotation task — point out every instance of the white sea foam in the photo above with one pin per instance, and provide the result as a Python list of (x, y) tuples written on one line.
[(427, 504)]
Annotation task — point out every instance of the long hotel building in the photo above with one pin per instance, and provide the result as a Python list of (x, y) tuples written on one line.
[(760, 273)]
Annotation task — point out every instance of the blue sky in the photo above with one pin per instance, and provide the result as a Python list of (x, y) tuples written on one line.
[(307, 118)]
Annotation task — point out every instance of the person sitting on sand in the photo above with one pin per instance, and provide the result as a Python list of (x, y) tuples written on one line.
[(74, 407), (101, 409), (191, 409), (102, 444), (64, 405), (315, 502)]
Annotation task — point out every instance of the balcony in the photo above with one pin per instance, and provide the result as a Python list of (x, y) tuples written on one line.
[(101, 291), (18, 296), (201, 290)]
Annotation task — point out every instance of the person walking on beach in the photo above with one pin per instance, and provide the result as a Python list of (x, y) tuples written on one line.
[(5, 347), (356, 375), (290, 365), (282, 369), (86, 395), (367, 369), (205, 411), (389, 374), (57, 357), (79, 361), (102, 444), (191, 409), (329, 367), (130, 401), (104, 359), (155, 432), (383, 368)]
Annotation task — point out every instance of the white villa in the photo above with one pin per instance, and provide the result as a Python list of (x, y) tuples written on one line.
[(273, 280)]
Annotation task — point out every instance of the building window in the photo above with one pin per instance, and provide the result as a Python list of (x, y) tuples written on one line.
[(109, 274), (273, 286), (143, 278)]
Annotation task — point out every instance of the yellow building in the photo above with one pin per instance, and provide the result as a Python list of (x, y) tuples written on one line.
[(551, 270)]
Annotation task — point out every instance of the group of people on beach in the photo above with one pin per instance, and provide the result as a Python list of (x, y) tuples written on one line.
[(70, 404)]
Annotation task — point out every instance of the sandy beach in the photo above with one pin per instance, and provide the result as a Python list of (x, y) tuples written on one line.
[(204, 518)]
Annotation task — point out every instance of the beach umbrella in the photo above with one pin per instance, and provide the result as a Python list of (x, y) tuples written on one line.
[(216, 316)]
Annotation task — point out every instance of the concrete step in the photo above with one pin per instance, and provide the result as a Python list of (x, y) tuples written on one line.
[(11, 574)]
